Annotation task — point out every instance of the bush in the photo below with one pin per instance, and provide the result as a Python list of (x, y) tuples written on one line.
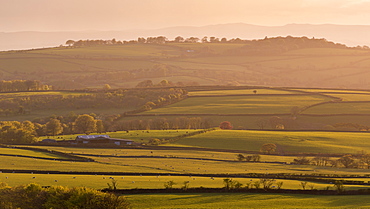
[(58, 197)]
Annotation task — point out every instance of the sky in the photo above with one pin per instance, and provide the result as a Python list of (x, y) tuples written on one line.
[(82, 15)]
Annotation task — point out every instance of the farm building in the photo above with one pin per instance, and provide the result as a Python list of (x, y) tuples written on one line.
[(49, 141), (102, 139)]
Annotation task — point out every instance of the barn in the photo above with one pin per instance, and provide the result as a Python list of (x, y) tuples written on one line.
[(102, 139)]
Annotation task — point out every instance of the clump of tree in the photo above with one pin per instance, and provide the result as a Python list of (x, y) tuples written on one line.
[(14, 132), (248, 158), (268, 148), (230, 184), (302, 161), (159, 124), (33, 196), (225, 125), (169, 184), (22, 85), (351, 127)]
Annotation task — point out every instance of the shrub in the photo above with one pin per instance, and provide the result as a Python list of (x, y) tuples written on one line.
[(226, 125), (58, 197)]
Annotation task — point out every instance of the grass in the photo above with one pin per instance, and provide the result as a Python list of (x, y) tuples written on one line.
[(296, 141), (180, 161), (340, 108), (232, 200), (36, 114), (135, 135), (145, 182), (239, 105), (239, 91), (14, 163), (30, 153), (352, 97), (312, 66), (163, 153)]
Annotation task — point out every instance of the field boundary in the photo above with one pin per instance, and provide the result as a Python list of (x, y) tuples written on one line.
[(240, 190)]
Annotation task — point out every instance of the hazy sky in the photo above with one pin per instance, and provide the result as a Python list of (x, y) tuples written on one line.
[(76, 15)]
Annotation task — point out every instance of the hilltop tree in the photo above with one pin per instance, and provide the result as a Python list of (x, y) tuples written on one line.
[(179, 39), (192, 40), (70, 42), (85, 124)]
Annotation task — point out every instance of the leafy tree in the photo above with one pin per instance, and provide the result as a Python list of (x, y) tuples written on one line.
[(192, 40), (268, 148), (267, 183), (169, 184), (256, 158), (186, 185), (85, 124), (54, 127), (338, 185), (14, 132), (106, 87), (240, 157), (146, 83), (301, 161), (303, 184), (100, 127), (179, 39), (232, 184), (347, 161), (70, 42), (226, 125)]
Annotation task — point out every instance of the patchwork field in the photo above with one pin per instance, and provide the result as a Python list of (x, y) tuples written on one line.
[(203, 63), (246, 201), (298, 142), (240, 105)]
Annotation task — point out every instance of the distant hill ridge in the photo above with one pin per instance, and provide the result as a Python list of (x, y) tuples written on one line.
[(351, 35)]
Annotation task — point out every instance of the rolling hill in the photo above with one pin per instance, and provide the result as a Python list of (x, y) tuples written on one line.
[(289, 61)]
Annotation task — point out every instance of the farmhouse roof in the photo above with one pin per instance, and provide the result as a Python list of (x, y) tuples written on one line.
[(92, 136)]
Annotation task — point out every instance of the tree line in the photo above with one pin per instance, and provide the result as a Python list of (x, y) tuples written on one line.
[(126, 99), (14, 132), (22, 85), (257, 44)]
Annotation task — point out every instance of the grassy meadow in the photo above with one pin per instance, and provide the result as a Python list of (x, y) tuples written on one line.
[(232, 200), (205, 63), (85, 67), (253, 104), (145, 182), (295, 141)]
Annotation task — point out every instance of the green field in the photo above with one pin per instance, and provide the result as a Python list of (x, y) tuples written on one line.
[(340, 108), (232, 200), (297, 142), (29, 153), (240, 91), (204, 63), (240, 104), (144, 182)]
